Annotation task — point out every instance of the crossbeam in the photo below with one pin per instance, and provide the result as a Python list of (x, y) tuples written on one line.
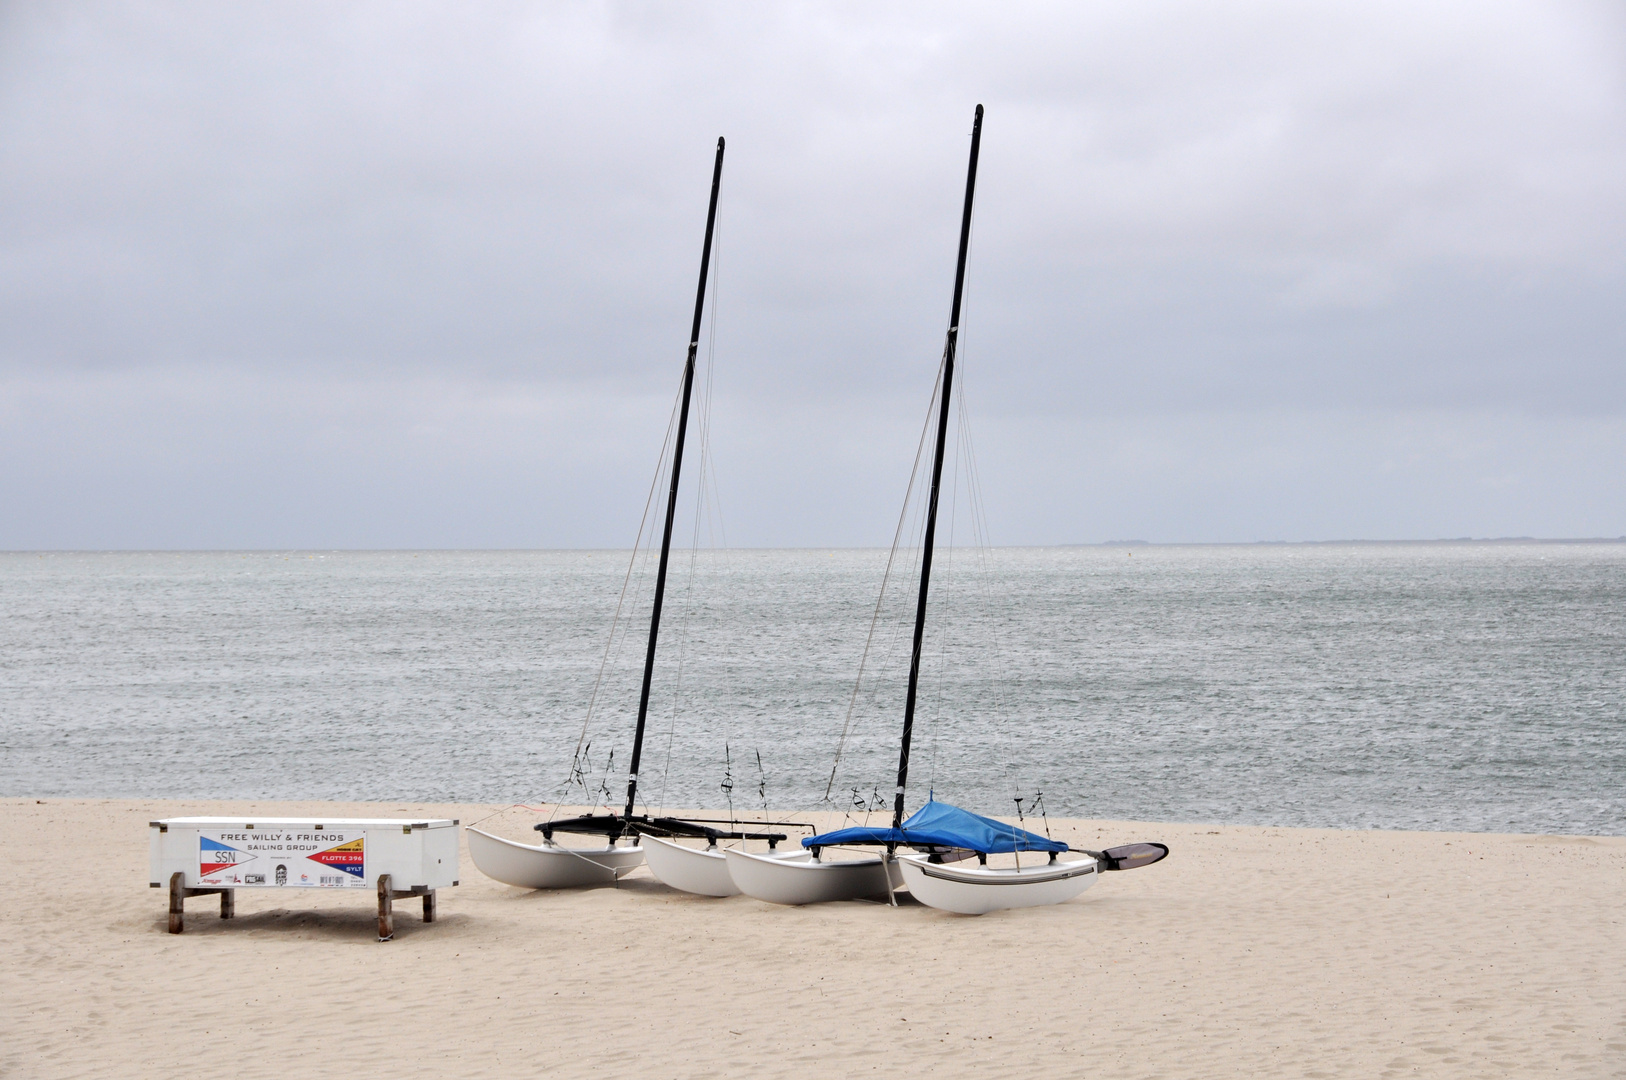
[(615, 826)]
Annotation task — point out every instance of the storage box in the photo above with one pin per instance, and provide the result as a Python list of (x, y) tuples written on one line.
[(291, 853)]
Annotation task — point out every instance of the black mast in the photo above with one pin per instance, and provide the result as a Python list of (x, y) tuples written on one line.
[(677, 468), (937, 472)]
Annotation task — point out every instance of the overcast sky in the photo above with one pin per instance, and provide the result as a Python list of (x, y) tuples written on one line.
[(409, 275)]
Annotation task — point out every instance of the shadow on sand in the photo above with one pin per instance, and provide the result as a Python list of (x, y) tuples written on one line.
[(334, 924)]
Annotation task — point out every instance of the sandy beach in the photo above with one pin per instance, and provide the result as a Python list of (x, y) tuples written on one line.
[(1250, 951)]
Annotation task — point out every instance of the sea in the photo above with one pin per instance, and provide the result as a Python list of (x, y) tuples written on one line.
[(1440, 686)]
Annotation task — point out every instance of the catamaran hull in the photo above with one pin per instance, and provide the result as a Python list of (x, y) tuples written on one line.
[(702, 871), (804, 880), (977, 890), (548, 866)]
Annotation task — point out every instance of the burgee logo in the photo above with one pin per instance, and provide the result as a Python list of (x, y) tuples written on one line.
[(348, 857), (213, 856)]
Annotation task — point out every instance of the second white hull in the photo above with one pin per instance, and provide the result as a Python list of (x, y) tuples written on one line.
[(977, 890), (802, 880), (702, 871), (548, 865)]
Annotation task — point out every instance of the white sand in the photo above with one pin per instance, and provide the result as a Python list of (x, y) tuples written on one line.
[(1252, 952)]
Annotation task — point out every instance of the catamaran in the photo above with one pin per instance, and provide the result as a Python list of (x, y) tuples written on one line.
[(940, 835), (630, 837)]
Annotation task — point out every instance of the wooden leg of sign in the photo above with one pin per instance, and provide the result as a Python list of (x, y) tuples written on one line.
[(386, 912), (228, 903), (177, 901), (429, 906)]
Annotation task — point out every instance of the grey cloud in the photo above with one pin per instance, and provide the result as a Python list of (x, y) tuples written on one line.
[(1390, 210)]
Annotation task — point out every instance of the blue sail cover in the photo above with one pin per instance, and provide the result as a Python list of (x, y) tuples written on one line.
[(941, 825)]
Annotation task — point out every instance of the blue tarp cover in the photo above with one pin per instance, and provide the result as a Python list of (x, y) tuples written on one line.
[(941, 825)]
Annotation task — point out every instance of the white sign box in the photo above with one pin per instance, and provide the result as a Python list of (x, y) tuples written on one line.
[(294, 853)]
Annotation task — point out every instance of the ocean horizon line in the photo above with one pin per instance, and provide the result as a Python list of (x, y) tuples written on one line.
[(1134, 543)]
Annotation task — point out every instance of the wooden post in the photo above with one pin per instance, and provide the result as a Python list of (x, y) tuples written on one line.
[(228, 903), (429, 906), (386, 912), (177, 901)]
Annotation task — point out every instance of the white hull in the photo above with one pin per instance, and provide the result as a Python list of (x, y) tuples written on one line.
[(977, 890), (703, 871), (548, 866), (799, 879)]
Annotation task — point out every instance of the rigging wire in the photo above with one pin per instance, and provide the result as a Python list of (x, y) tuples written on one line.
[(704, 493), (936, 650), (633, 587), (1007, 679), (930, 717), (620, 604), (886, 576), (967, 472), (948, 611), (921, 508)]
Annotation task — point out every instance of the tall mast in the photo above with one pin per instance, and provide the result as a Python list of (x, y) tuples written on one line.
[(677, 468), (937, 472)]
